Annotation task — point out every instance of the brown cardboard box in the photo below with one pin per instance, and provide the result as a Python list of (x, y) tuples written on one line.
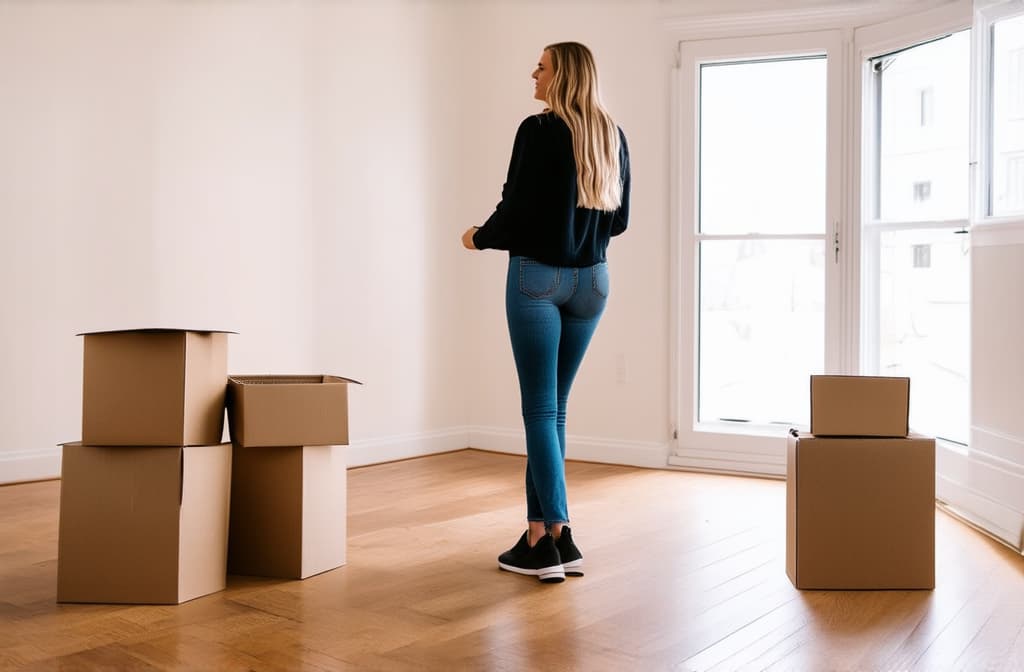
[(859, 406), (276, 410), (288, 511), (143, 525), (154, 387), (860, 513)]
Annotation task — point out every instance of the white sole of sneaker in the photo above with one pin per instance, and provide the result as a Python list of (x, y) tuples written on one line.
[(553, 574), (573, 568)]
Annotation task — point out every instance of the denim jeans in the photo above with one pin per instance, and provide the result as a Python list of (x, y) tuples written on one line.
[(552, 314)]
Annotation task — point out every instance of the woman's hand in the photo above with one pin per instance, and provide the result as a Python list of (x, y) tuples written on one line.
[(467, 238)]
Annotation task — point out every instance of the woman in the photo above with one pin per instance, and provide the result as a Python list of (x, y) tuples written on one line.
[(566, 194)]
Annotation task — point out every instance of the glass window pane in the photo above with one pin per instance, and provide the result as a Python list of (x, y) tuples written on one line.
[(924, 325), (762, 146), (762, 322), (1008, 117), (923, 131)]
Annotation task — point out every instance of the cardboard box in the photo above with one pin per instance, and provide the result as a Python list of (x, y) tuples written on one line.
[(265, 411), (860, 513), (859, 406), (288, 511), (155, 387), (143, 525)]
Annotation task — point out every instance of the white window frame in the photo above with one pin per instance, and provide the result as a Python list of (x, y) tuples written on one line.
[(713, 446)]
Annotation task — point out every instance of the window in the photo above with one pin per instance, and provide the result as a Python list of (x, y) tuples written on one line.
[(922, 174), (916, 318), (1007, 116), (922, 139), (762, 174), (757, 206)]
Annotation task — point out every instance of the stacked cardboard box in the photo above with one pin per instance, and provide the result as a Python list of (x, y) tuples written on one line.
[(860, 490), (288, 485), (145, 494)]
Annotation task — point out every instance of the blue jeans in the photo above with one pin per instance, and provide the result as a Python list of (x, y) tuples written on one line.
[(552, 314)]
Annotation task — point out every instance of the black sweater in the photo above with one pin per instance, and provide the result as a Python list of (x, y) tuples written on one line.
[(538, 216)]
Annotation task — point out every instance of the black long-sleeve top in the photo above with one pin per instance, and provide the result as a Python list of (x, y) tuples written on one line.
[(538, 216)]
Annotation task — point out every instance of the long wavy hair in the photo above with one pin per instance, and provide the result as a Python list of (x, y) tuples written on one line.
[(573, 95)]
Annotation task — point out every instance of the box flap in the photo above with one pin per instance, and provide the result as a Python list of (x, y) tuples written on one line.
[(156, 330), (289, 379)]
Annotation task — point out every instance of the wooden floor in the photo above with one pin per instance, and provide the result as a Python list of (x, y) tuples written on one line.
[(684, 572)]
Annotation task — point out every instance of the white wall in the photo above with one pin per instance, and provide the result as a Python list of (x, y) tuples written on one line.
[(300, 173), (155, 168), (988, 482), (388, 183)]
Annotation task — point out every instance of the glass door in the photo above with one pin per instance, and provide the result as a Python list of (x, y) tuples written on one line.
[(916, 252), (761, 238), (758, 242)]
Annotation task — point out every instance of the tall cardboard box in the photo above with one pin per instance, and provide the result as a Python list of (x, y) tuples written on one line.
[(154, 387), (288, 511), (145, 525), (860, 406), (860, 512), (288, 410)]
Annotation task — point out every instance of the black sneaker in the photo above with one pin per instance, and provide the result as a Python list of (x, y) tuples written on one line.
[(541, 561), (572, 559)]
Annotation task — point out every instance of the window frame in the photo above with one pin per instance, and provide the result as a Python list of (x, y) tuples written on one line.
[(712, 446)]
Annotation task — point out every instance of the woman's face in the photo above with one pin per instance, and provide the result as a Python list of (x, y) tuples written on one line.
[(542, 76)]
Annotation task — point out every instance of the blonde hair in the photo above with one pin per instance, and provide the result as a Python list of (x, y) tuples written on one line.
[(573, 96)]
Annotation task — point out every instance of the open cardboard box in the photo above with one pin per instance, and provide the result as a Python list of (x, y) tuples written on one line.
[(288, 410)]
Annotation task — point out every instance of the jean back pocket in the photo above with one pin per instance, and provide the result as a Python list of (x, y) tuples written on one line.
[(538, 280)]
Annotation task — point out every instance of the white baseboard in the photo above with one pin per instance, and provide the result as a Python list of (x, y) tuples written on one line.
[(16, 467), (730, 462), (405, 446), (990, 516), (985, 484), (25, 465), (587, 449)]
